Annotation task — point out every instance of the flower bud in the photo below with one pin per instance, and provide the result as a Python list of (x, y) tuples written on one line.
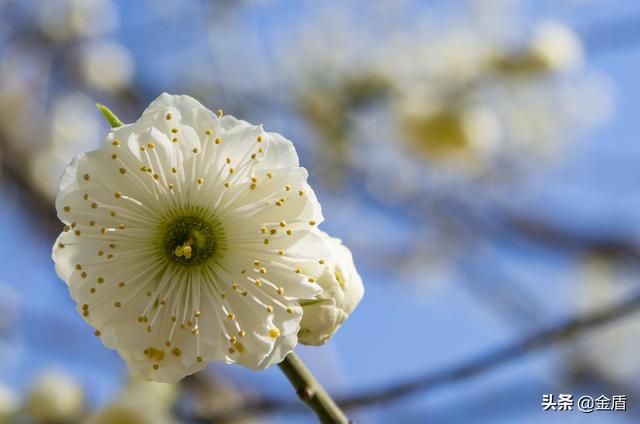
[(343, 290)]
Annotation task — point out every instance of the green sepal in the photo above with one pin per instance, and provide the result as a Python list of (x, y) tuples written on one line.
[(112, 119)]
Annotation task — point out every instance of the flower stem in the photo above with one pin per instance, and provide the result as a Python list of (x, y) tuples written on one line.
[(311, 392)]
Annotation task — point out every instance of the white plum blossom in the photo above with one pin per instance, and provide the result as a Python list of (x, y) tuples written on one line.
[(343, 290), (190, 237)]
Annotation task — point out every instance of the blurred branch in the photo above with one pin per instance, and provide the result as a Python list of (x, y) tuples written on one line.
[(15, 166), (502, 295), (549, 234), (458, 373), (589, 375)]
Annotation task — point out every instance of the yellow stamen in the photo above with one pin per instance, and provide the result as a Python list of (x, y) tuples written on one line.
[(274, 333)]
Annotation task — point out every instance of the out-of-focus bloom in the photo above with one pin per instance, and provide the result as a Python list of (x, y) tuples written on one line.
[(8, 403), (457, 55), (610, 353), (131, 410), (452, 133), (185, 237), (468, 118), (343, 290), (64, 20), (165, 393), (139, 403), (54, 397), (216, 395), (74, 119), (22, 87), (74, 125), (552, 48), (557, 46), (106, 65), (471, 118), (462, 98)]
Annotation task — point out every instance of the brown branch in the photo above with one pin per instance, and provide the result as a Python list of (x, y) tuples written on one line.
[(457, 373), (310, 391)]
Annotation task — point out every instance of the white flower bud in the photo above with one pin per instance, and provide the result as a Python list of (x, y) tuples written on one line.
[(54, 398), (343, 290)]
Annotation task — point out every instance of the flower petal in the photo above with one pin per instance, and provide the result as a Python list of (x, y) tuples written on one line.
[(180, 168)]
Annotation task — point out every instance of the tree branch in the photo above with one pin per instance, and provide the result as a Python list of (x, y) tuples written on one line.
[(561, 238), (457, 373), (310, 391)]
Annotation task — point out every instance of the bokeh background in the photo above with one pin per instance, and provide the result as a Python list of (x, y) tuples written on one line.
[(479, 157)]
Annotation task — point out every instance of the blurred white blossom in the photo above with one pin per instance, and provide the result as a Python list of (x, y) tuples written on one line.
[(106, 65), (8, 402), (23, 82), (558, 47), (611, 351), (64, 20), (54, 397), (438, 131), (74, 126), (165, 393), (450, 98), (216, 395), (488, 115), (140, 402)]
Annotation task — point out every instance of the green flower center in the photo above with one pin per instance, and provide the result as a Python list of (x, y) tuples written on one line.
[(189, 241)]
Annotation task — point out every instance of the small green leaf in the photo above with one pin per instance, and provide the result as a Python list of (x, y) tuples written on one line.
[(110, 116)]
